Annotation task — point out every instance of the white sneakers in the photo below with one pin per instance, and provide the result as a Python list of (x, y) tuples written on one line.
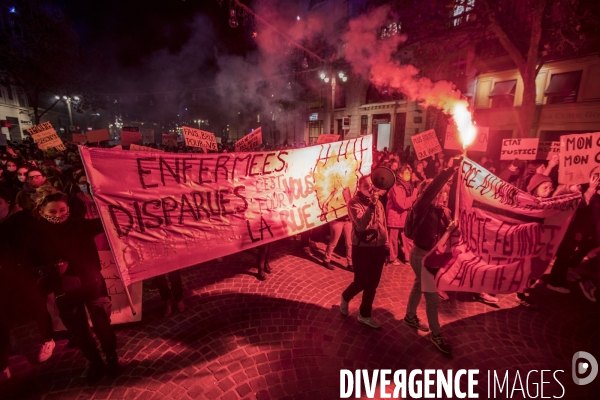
[(558, 289), (46, 351), (369, 321)]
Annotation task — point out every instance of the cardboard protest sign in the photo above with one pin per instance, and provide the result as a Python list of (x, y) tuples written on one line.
[(147, 135), (426, 144), (523, 149), (169, 139), (120, 312), (183, 209), (79, 138), (135, 147), (129, 137), (505, 237), (97, 135), (547, 149), (250, 141), (119, 147), (579, 157), (480, 143), (45, 136), (327, 138), (199, 138)]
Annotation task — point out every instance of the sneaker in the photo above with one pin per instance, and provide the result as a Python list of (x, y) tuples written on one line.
[(589, 290), (558, 289), (343, 307), (415, 323), (525, 301), (441, 344), (485, 298), (369, 321), (267, 268), (46, 351), (395, 263), (443, 295), (113, 368), (95, 373), (261, 277), (327, 264), (180, 306)]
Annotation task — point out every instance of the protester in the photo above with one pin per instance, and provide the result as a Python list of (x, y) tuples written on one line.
[(369, 249), (337, 228), (27, 196), (433, 218), (401, 198), (22, 288), (579, 240), (69, 241)]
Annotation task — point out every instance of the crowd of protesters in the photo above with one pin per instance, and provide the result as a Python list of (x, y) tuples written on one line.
[(46, 204)]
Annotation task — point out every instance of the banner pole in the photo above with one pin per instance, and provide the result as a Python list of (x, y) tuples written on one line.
[(129, 300)]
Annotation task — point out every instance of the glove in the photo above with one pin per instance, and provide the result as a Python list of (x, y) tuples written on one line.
[(70, 283)]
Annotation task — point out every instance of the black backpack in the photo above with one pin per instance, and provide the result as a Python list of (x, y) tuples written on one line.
[(411, 224)]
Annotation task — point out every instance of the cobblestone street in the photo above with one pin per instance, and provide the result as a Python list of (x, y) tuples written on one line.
[(285, 337)]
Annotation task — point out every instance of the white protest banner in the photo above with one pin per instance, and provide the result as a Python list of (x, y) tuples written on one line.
[(250, 141), (453, 142), (327, 138), (547, 149), (121, 311), (79, 138), (579, 157), (523, 149), (45, 136), (198, 138), (505, 237), (426, 144), (97, 135), (169, 139), (147, 135), (136, 147), (167, 211)]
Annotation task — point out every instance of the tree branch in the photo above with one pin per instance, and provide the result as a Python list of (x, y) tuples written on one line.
[(503, 38), (48, 109)]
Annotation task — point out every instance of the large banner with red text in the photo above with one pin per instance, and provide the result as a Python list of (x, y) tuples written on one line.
[(166, 211)]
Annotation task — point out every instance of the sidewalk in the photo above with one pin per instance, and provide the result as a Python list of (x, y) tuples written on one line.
[(285, 337)]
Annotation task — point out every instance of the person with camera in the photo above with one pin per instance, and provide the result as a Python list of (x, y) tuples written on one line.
[(369, 249), (70, 255), (20, 294), (432, 218)]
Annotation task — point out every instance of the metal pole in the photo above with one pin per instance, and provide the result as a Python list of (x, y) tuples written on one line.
[(332, 103), (70, 114)]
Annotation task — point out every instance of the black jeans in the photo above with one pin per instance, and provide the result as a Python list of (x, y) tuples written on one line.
[(368, 266), (570, 254), (71, 308), (176, 290)]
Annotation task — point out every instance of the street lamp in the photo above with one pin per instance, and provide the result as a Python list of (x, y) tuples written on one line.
[(326, 78), (68, 100)]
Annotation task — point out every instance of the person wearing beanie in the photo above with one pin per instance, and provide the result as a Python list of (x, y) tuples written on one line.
[(540, 186)]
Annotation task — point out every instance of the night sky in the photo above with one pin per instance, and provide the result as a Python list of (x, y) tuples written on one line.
[(134, 29)]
